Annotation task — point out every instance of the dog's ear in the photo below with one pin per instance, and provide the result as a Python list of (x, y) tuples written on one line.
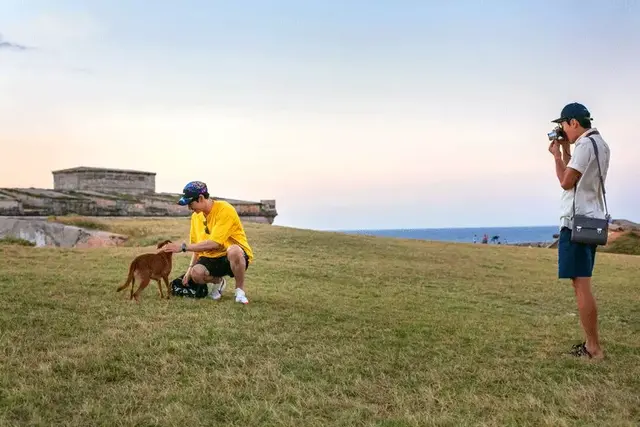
[(161, 244)]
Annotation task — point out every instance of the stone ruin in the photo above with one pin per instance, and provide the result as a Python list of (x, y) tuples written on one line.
[(89, 191), (108, 180)]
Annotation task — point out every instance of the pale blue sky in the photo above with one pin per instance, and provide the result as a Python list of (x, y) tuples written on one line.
[(354, 114)]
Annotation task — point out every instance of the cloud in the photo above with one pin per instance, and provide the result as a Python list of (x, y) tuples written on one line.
[(12, 46)]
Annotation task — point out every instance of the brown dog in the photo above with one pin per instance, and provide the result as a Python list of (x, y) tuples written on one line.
[(149, 266)]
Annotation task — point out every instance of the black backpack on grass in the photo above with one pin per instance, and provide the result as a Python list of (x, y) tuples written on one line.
[(192, 290)]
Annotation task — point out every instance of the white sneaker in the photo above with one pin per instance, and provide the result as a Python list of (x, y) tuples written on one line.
[(216, 293), (241, 297)]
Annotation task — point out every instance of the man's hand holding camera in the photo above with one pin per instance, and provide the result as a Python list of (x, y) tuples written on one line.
[(559, 147), (554, 148), (562, 156), (560, 150)]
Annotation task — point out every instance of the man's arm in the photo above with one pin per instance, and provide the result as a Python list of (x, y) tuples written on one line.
[(194, 259), (566, 175), (570, 172), (187, 275), (207, 245), (204, 246)]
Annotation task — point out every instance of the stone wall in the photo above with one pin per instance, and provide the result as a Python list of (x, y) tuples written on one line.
[(10, 207), (257, 219), (44, 202), (105, 180), (268, 204), (91, 191)]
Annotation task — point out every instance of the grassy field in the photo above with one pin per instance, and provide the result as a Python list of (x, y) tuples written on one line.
[(341, 331)]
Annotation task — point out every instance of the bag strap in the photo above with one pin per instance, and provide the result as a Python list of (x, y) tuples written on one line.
[(604, 192)]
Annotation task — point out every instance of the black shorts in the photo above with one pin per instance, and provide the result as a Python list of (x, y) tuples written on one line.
[(220, 266)]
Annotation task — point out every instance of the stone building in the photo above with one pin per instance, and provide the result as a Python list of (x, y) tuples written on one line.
[(119, 181)]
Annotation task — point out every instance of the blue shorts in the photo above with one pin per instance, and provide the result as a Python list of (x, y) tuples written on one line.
[(574, 259)]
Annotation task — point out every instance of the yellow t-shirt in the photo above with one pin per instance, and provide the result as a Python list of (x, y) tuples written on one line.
[(224, 228)]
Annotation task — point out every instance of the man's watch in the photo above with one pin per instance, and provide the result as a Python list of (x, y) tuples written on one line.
[(183, 247)]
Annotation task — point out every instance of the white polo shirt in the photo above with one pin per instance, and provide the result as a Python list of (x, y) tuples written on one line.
[(589, 200)]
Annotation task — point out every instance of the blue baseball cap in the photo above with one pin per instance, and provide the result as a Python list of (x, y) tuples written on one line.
[(191, 191), (574, 110)]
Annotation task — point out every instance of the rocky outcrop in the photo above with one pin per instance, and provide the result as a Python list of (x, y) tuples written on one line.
[(44, 202), (44, 233), (91, 191), (624, 225)]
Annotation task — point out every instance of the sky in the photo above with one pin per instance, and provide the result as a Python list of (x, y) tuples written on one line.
[(351, 114)]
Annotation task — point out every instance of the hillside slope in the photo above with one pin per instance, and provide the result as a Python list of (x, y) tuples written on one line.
[(625, 243), (341, 330)]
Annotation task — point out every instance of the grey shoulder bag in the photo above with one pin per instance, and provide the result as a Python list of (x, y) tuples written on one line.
[(589, 230)]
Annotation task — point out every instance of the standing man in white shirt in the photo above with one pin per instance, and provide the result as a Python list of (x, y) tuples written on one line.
[(579, 178)]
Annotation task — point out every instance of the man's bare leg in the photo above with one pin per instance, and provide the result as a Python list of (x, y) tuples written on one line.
[(201, 275), (588, 312), (235, 254), (238, 264)]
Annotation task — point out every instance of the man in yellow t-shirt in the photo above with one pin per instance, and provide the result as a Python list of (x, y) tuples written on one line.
[(217, 240)]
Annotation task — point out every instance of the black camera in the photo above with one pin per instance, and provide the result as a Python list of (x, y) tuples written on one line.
[(557, 134)]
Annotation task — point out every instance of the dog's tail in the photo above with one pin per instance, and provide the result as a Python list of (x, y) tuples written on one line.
[(130, 278)]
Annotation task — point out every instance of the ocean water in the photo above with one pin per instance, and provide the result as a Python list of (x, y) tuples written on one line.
[(506, 235)]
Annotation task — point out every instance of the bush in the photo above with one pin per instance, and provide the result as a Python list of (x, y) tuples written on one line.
[(10, 240), (628, 244)]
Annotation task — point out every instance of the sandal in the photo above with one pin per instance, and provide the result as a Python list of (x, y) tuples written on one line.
[(580, 350)]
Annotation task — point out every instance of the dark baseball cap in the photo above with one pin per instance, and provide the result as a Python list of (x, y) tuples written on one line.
[(574, 110), (191, 191)]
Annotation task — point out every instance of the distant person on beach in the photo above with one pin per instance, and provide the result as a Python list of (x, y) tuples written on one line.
[(217, 240), (576, 260)]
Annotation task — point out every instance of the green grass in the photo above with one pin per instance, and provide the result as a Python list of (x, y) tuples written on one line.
[(82, 222), (341, 331), (10, 240), (626, 244)]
